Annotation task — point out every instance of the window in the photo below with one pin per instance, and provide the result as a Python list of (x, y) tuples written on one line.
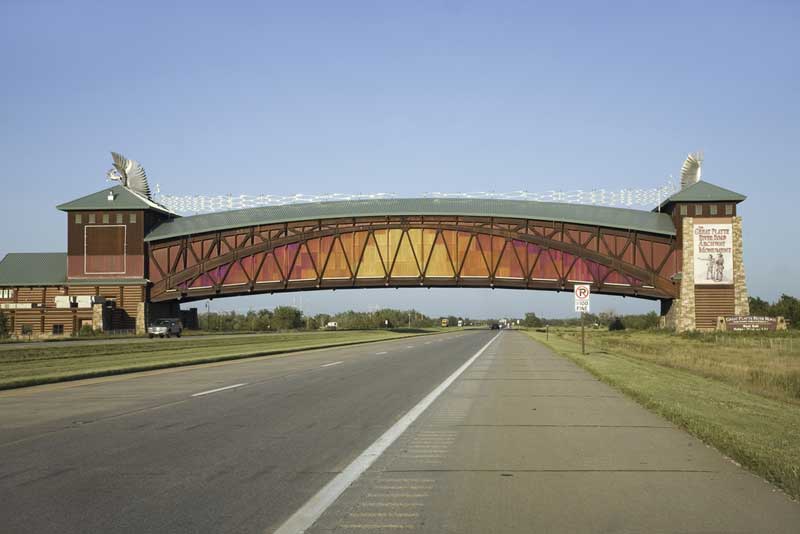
[(119, 218), (698, 209), (712, 209), (132, 218), (728, 209), (58, 329), (78, 218), (105, 218), (6, 293), (684, 210), (91, 218)]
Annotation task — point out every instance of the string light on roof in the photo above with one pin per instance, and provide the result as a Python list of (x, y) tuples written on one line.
[(194, 204)]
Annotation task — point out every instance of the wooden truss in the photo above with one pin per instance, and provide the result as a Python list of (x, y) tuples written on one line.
[(413, 251)]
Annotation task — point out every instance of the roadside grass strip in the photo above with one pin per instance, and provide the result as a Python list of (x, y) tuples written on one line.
[(756, 431), (44, 364)]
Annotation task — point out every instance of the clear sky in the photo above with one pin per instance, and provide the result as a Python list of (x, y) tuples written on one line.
[(405, 97)]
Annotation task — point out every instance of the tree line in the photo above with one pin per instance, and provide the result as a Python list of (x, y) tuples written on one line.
[(290, 318), (607, 319), (786, 306)]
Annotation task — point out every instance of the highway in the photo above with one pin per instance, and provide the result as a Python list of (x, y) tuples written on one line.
[(521, 440)]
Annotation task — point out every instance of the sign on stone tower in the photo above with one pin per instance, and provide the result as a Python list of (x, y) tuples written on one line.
[(713, 254)]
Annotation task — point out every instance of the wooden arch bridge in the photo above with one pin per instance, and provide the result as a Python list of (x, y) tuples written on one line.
[(414, 243)]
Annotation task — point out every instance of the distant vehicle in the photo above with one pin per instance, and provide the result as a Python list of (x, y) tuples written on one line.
[(333, 325), (444, 322), (460, 322), (494, 326), (165, 328)]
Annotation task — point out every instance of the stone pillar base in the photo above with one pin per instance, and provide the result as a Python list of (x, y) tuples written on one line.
[(141, 320)]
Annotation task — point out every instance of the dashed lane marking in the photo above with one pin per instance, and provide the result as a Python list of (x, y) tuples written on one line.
[(210, 391)]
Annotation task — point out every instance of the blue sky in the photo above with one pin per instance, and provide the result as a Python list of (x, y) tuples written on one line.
[(406, 97)]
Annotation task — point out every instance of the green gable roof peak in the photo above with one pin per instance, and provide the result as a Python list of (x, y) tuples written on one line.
[(113, 198), (704, 192)]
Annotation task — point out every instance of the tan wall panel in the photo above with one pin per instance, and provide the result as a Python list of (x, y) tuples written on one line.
[(710, 303)]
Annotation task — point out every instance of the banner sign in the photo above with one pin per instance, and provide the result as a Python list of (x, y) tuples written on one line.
[(713, 254)]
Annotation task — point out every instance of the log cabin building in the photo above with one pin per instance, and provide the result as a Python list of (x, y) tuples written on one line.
[(101, 280)]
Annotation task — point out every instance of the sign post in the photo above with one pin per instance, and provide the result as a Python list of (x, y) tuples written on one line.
[(582, 293)]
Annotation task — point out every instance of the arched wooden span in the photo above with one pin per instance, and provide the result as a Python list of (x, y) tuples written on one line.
[(214, 258)]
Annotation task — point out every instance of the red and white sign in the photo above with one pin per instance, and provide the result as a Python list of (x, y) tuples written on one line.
[(582, 293)]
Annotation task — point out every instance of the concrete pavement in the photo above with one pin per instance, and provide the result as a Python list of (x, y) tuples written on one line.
[(526, 441)]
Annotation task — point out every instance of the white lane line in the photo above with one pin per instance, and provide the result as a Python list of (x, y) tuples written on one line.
[(307, 515), (218, 389), (329, 364), (379, 353)]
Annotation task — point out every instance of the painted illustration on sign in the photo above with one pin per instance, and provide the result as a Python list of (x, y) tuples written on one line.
[(713, 253)]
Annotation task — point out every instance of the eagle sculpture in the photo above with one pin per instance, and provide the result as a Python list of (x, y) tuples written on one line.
[(691, 169), (129, 173)]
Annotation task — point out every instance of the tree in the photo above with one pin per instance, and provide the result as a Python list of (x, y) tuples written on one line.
[(759, 306), (531, 321), (616, 324), (788, 307), (3, 325), (287, 318)]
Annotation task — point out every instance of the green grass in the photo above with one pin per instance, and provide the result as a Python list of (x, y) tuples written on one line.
[(765, 363), (760, 432), (46, 363)]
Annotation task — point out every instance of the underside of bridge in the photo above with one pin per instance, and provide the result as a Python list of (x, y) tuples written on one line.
[(413, 251)]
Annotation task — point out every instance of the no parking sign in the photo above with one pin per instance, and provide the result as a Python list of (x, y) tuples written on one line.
[(582, 292)]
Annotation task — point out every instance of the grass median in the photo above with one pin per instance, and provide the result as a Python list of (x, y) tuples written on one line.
[(47, 363), (755, 422)]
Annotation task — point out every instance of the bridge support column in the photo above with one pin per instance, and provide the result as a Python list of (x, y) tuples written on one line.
[(685, 306), (740, 295)]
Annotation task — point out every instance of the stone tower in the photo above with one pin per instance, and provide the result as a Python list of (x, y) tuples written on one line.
[(712, 279)]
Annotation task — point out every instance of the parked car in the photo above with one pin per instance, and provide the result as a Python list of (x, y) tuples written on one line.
[(165, 328)]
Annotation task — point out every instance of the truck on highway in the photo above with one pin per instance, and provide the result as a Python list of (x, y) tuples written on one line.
[(165, 328)]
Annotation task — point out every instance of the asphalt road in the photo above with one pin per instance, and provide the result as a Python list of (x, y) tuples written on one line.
[(144, 454), (523, 441)]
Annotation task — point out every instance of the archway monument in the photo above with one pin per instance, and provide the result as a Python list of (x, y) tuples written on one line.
[(130, 259)]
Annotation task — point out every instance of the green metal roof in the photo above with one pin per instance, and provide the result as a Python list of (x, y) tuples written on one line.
[(49, 269), (704, 192), (646, 221), (33, 269), (124, 199)]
